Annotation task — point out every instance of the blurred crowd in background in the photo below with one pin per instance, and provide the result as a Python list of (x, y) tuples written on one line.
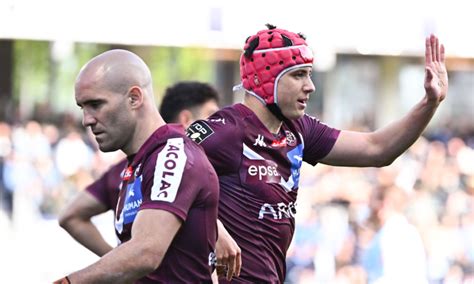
[(422, 203), (44, 164)]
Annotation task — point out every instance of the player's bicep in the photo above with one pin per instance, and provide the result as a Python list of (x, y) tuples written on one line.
[(352, 149), (154, 230)]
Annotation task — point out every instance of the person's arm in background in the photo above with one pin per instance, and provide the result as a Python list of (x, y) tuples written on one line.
[(383, 146), (76, 220)]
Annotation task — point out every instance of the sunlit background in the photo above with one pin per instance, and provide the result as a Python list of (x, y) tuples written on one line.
[(368, 72)]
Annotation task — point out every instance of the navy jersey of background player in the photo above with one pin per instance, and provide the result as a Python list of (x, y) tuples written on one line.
[(258, 174), (170, 172)]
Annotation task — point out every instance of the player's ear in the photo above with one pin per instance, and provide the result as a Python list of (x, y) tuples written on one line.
[(185, 117), (135, 96)]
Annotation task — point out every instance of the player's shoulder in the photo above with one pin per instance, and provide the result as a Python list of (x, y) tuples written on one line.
[(307, 122), (225, 122), (229, 115)]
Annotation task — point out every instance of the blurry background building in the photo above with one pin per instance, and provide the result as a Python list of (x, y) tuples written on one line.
[(368, 71)]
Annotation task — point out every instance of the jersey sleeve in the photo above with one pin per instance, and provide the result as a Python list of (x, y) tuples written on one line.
[(105, 189), (318, 138), (172, 179)]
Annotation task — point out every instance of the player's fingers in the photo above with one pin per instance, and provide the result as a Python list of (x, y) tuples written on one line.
[(433, 47), (221, 270), (428, 59), (230, 268), (441, 55), (238, 263)]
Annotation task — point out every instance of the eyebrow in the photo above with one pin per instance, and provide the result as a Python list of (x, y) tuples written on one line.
[(90, 101)]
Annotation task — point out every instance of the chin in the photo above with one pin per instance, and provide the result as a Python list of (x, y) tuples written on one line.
[(295, 116), (107, 148)]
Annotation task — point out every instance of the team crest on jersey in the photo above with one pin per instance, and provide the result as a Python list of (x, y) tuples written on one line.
[(199, 131), (290, 138)]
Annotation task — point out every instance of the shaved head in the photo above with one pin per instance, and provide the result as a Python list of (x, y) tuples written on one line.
[(116, 71), (115, 93)]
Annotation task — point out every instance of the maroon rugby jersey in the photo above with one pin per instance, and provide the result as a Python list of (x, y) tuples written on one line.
[(259, 175), (170, 172)]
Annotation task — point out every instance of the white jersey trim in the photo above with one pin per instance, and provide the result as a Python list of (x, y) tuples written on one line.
[(250, 154)]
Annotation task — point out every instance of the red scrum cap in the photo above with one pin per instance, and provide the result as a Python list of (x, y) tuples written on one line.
[(267, 56)]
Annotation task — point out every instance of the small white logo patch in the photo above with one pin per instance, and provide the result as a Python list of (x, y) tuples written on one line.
[(259, 141), (169, 171)]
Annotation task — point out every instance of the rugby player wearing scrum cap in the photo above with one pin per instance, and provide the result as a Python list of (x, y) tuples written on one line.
[(257, 148)]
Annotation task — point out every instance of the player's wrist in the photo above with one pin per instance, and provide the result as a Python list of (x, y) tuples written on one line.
[(430, 103)]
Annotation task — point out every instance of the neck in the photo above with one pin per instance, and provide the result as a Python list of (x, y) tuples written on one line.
[(143, 131), (271, 122)]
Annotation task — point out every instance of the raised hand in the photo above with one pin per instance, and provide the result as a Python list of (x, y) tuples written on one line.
[(436, 76)]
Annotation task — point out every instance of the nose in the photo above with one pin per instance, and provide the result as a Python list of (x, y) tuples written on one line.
[(309, 86), (88, 119)]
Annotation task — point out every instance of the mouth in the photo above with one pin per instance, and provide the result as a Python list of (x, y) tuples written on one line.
[(97, 133), (302, 102)]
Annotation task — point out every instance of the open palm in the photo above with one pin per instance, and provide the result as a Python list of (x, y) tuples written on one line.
[(436, 76)]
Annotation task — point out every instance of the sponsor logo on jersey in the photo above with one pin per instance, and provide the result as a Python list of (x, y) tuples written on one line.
[(169, 170), (132, 201), (278, 211), (127, 174), (265, 171), (199, 131), (278, 143), (259, 169), (295, 157)]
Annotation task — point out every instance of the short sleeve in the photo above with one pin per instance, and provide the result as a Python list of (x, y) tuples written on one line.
[(318, 138)]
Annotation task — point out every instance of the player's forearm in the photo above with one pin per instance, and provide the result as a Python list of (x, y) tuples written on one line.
[(124, 264), (395, 138), (87, 234)]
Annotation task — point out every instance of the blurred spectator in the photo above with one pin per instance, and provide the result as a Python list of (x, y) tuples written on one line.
[(72, 154), (6, 195), (395, 253)]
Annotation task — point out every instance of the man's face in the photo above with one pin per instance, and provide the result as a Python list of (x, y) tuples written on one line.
[(293, 92), (108, 115)]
